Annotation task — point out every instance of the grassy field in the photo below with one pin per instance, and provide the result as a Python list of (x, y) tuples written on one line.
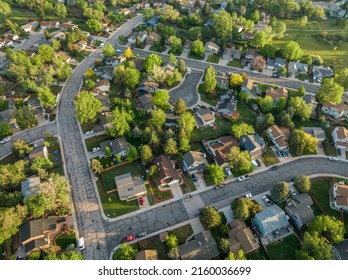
[(335, 55), (284, 249), (269, 158), (20, 16), (112, 205), (109, 176), (222, 127), (245, 113), (65, 239)]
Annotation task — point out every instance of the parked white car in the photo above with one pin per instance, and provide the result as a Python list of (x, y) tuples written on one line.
[(243, 178), (89, 132), (94, 150), (5, 140)]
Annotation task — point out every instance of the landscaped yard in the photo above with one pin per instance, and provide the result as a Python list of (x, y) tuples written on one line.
[(234, 63), (260, 254), (210, 98), (268, 157), (222, 127), (329, 149), (214, 58), (284, 249), (155, 243), (65, 239), (157, 48), (95, 141), (245, 113), (112, 205), (133, 245), (182, 233), (150, 197), (11, 158), (160, 195), (108, 176)]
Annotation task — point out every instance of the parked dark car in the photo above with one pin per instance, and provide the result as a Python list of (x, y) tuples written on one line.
[(275, 167), (194, 178), (275, 75)]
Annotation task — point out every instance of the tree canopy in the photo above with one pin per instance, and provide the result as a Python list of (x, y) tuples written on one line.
[(244, 208), (280, 191), (240, 129), (240, 161), (301, 142), (216, 173), (125, 252), (330, 91), (87, 107), (302, 183), (210, 217)]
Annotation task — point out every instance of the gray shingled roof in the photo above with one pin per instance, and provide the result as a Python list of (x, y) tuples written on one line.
[(271, 219)]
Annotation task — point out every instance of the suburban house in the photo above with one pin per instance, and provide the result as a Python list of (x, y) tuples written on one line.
[(247, 35), (167, 175), (147, 255), (321, 72), (145, 102), (30, 26), (336, 111), (152, 22), (64, 56), (279, 62), (247, 86), (254, 144), (139, 63), (340, 137), (170, 66), (277, 94), (316, 132), (152, 38), (13, 37), (103, 86), (129, 188), (58, 36), (106, 119), (297, 67), (188, 44), (141, 36), (228, 107), (119, 146), (219, 148), (40, 151), (147, 87), (108, 72), (241, 237), (49, 24), (310, 99), (212, 47), (271, 220), (126, 11), (236, 54), (35, 234), (270, 63), (222, 81), (68, 25), (209, 22), (194, 161), (280, 136), (202, 247), (30, 186), (114, 61), (340, 194), (171, 121), (298, 208), (250, 55), (335, 10), (226, 54), (204, 117)]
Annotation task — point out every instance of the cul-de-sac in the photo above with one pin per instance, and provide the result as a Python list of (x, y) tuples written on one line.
[(173, 130)]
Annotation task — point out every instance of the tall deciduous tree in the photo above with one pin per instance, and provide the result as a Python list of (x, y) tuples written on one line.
[(158, 118), (161, 98), (22, 148), (292, 51), (121, 119), (151, 61), (197, 48), (125, 252), (86, 107), (330, 91), (94, 25), (216, 173), (171, 147), (60, 10), (5, 130), (300, 108), (128, 53), (223, 24), (46, 97), (180, 107), (302, 183), (329, 227), (109, 50), (301, 142), (210, 217), (315, 247), (9, 223), (209, 79), (240, 161), (236, 80), (186, 124), (280, 191), (41, 163), (240, 129), (146, 154)]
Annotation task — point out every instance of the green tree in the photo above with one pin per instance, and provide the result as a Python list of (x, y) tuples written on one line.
[(94, 25), (45, 52), (161, 98), (41, 163), (38, 205), (260, 39), (301, 142), (263, 122), (329, 227), (126, 77), (224, 246), (280, 191), (128, 53), (301, 90), (315, 247), (132, 154), (172, 242), (46, 97), (108, 50), (330, 91), (244, 208), (96, 166), (240, 129), (285, 120), (5, 9), (186, 124), (223, 24), (175, 43), (158, 118), (121, 119), (5, 130), (89, 83), (151, 61), (266, 104), (300, 108), (236, 80), (182, 67), (184, 145), (197, 48), (146, 154), (209, 79), (256, 16), (180, 107), (89, 73), (240, 161), (341, 77), (125, 252), (86, 107), (292, 51), (171, 147), (279, 29), (12, 174), (210, 217), (302, 183), (61, 10), (9, 223), (148, 13), (206, 9), (239, 257), (216, 173), (268, 51), (172, 58), (107, 152), (303, 21), (22, 148)]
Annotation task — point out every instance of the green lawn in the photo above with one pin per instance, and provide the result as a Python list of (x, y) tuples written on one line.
[(108, 176), (160, 195), (65, 239), (222, 127), (3, 105), (245, 113), (20, 16), (269, 158), (214, 58), (112, 205), (150, 197), (155, 243), (11, 158), (197, 146), (284, 249), (207, 179), (189, 181), (194, 56), (335, 55), (182, 233), (155, 48), (235, 63), (329, 149), (87, 126), (260, 254), (210, 98), (95, 141)]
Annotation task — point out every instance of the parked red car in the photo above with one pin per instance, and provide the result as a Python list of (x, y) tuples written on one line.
[(130, 237), (141, 200)]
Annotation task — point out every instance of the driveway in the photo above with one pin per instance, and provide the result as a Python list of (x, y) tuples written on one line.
[(187, 90)]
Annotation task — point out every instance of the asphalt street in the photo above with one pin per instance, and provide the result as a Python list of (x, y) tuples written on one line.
[(187, 90)]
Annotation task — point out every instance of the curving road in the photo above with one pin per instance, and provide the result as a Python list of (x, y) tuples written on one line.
[(85, 197)]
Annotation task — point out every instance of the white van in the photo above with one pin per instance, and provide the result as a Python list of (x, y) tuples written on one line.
[(81, 243)]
